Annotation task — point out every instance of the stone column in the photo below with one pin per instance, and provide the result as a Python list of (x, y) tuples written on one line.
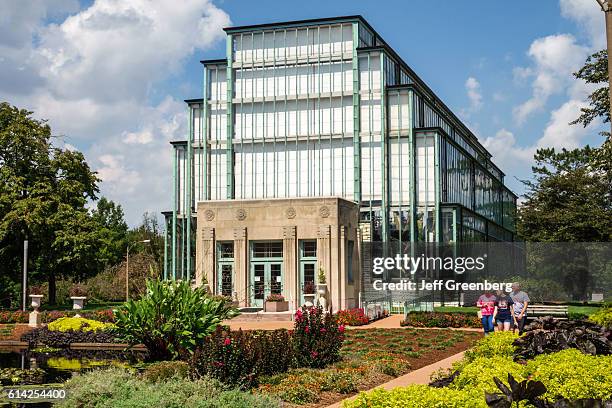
[(324, 260), (241, 267), (290, 270), (205, 267), (343, 281)]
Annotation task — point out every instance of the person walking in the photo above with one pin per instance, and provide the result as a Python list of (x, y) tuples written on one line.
[(486, 303), (521, 301), (502, 314)]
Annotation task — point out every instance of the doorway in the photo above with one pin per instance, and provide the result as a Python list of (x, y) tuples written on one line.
[(266, 271)]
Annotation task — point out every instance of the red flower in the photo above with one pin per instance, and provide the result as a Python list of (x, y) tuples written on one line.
[(227, 341), (314, 354), (323, 330), (307, 329), (341, 328)]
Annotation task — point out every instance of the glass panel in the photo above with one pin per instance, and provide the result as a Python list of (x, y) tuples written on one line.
[(258, 284), (226, 280), (226, 249), (309, 278), (309, 249), (276, 284), (269, 249)]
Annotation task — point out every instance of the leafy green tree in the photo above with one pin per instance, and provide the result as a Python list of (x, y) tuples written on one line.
[(149, 229), (595, 71), (43, 193), (114, 231)]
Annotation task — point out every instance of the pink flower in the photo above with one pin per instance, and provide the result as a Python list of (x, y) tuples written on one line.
[(307, 329), (341, 328), (227, 341), (323, 330), (218, 364), (314, 354)]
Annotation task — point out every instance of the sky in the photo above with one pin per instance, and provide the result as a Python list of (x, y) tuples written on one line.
[(111, 76)]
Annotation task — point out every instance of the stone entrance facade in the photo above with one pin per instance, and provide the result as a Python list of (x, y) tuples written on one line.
[(249, 249)]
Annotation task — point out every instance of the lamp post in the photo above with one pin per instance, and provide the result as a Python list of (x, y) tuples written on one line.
[(127, 266), (606, 6)]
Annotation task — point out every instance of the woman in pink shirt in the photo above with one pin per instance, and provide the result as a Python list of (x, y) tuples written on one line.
[(486, 303)]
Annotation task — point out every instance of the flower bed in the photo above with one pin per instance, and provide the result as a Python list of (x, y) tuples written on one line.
[(438, 319), (352, 317), (369, 357), (67, 330), (555, 380), (9, 317)]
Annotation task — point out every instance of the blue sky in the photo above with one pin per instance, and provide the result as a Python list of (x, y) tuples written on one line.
[(111, 75)]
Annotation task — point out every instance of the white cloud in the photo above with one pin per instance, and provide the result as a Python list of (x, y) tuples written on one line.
[(91, 74), (554, 58), (507, 154), (589, 16), (558, 133), (472, 86)]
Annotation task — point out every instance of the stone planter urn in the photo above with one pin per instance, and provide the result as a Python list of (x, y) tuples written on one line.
[(322, 295), (309, 299), (78, 302), (36, 301), (276, 306)]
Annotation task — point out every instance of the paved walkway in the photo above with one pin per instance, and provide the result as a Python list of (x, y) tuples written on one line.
[(420, 376), (391, 322)]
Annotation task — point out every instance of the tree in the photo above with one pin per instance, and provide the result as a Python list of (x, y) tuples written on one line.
[(43, 193), (595, 71), (114, 231), (149, 229)]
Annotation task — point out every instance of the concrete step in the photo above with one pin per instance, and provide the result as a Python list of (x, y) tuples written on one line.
[(264, 317)]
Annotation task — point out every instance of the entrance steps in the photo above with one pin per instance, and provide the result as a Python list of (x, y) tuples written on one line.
[(261, 316)]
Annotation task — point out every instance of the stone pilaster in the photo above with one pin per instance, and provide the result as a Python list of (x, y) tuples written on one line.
[(241, 267), (290, 271), (324, 260), (205, 266), (342, 265)]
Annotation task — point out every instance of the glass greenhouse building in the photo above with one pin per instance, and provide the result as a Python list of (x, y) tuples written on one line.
[(320, 123)]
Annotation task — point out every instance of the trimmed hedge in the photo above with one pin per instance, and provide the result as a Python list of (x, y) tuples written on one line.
[(438, 319)]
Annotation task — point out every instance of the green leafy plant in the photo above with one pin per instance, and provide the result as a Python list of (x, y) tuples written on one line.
[(171, 319), (321, 276), (497, 344), (438, 319)]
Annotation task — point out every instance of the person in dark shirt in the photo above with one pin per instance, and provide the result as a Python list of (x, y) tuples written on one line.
[(502, 314)]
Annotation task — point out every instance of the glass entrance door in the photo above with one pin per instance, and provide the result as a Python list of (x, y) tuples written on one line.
[(267, 279), (307, 279)]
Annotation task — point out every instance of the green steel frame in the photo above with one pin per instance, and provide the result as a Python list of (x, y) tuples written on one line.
[(181, 241)]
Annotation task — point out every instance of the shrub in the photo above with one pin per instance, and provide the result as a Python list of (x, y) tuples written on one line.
[(51, 338), (352, 317), (64, 324), (602, 317), (78, 290), (317, 337), (437, 319), (497, 344), (164, 370), (241, 357), (300, 387), (171, 319), (342, 382), (120, 388), (477, 376), (573, 375), (17, 376), (416, 396), (8, 317)]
